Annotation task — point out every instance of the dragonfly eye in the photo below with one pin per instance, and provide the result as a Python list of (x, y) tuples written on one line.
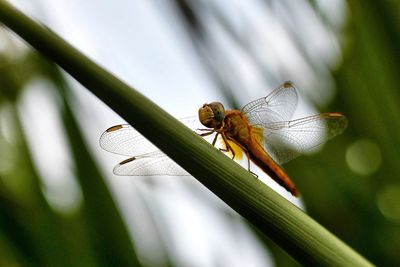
[(218, 110), (211, 115)]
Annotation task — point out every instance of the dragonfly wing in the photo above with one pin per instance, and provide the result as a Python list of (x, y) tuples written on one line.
[(145, 158), (279, 105), (286, 140), (125, 140), (156, 163)]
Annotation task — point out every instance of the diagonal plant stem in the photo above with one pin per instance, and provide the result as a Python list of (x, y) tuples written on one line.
[(298, 234)]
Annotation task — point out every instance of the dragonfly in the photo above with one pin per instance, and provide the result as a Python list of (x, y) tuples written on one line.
[(262, 129)]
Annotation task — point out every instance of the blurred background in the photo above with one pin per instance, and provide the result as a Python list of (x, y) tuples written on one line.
[(60, 204)]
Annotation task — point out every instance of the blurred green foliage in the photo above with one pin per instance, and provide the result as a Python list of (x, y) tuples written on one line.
[(359, 209), (31, 230), (345, 202)]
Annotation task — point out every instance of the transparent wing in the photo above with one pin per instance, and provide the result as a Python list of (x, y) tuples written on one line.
[(145, 158), (279, 105), (286, 140), (156, 163), (125, 140)]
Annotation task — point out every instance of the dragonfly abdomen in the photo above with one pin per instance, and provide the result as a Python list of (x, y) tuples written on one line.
[(260, 157)]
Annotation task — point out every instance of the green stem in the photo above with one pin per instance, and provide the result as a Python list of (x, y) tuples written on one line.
[(298, 234)]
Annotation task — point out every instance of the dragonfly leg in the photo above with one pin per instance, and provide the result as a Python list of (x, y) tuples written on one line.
[(227, 145), (223, 150), (255, 174), (247, 155), (205, 134), (211, 131), (215, 139)]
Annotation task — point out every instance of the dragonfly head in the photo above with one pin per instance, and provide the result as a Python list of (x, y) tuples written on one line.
[(212, 115)]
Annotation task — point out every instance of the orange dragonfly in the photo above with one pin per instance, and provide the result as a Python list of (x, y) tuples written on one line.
[(262, 129)]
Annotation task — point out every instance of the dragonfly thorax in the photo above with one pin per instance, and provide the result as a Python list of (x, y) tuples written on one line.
[(212, 115)]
